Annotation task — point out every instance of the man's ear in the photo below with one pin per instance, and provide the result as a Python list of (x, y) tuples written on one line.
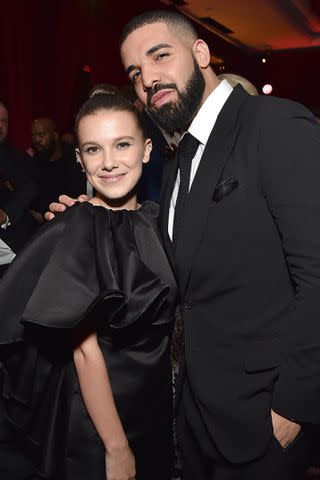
[(201, 53), (147, 150)]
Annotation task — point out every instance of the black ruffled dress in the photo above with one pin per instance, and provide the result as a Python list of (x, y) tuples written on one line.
[(90, 266)]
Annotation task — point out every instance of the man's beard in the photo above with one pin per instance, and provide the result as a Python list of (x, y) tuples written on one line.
[(45, 152), (178, 115)]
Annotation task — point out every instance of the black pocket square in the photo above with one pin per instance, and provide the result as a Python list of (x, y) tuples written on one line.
[(224, 188)]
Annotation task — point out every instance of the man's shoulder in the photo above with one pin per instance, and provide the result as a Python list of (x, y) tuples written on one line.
[(12, 151), (4, 152), (15, 163), (266, 107)]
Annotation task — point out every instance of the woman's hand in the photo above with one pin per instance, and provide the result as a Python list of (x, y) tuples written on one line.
[(64, 202), (120, 464)]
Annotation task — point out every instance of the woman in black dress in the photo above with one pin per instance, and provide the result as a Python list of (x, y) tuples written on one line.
[(86, 316)]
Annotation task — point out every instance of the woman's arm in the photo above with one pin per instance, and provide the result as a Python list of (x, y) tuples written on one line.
[(98, 398)]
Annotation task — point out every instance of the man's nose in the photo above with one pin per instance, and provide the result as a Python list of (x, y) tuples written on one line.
[(150, 76)]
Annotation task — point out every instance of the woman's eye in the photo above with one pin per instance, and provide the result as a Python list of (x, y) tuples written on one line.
[(122, 145), (91, 149)]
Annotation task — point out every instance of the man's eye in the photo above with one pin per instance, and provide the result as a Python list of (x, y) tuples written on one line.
[(122, 145), (135, 76), (161, 55)]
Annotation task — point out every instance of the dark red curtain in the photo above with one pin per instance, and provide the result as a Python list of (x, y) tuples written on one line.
[(44, 46)]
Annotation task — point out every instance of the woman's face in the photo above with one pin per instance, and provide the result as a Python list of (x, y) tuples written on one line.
[(112, 150)]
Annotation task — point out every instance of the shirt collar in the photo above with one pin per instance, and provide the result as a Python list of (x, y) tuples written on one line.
[(206, 117)]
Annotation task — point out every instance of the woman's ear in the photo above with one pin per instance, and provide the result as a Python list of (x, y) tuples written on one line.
[(78, 157), (201, 53), (147, 150)]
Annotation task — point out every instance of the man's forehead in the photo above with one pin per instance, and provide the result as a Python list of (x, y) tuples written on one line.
[(38, 127), (42, 125)]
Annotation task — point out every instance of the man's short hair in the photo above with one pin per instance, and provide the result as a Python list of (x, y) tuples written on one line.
[(174, 20)]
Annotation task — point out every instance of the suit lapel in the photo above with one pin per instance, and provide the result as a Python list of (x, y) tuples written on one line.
[(213, 160)]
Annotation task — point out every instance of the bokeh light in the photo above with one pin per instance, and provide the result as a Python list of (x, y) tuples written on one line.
[(267, 89)]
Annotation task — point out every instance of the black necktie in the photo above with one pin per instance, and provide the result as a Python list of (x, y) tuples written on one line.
[(186, 151)]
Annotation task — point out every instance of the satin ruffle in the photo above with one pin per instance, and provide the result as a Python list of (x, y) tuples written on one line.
[(86, 266)]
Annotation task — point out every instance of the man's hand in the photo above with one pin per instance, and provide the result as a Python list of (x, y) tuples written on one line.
[(37, 216), (8, 186), (64, 202), (3, 217), (284, 430)]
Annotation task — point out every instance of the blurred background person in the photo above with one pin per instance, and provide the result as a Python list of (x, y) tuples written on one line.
[(17, 191), (55, 163), (234, 79), (68, 138)]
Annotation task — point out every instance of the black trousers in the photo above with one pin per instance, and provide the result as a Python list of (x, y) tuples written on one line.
[(201, 462)]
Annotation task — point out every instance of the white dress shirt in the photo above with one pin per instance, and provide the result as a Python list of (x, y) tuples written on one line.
[(6, 254), (201, 128)]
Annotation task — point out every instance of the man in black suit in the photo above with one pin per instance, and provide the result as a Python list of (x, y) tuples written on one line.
[(246, 252), (17, 190)]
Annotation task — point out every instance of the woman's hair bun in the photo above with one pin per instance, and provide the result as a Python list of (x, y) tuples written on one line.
[(103, 89)]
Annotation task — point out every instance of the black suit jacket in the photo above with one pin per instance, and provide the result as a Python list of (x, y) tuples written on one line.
[(248, 267), (16, 201)]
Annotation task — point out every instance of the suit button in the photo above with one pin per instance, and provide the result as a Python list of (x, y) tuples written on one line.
[(187, 305)]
